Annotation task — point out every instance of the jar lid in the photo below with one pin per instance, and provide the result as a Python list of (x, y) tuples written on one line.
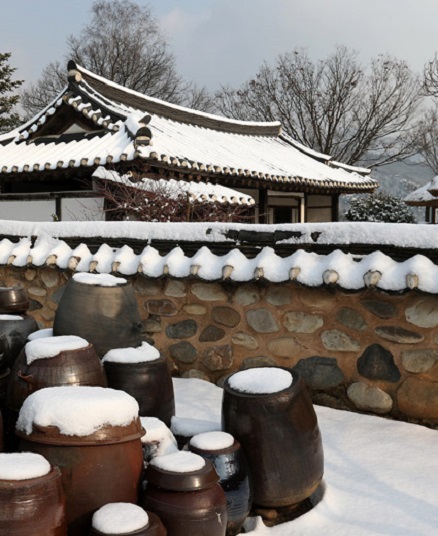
[(176, 480)]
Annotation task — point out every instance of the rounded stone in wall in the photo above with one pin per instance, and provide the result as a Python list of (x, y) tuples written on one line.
[(161, 307), (209, 292), (225, 316), (284, 346), (399, 335), (194, 373), (195, 309), (418, 361), (262, 321), (278, 295), (37, 291), (338, 341), (380, 308), (320, 372), (298, 322), (351, 318), (320, 298), (424, 312), (49, 277), (245, 340), (246, 295), (183, 351), (418, 398), (218, 357), (182, 330), (369, 398), (211, 334), (175, 288), (377, 363), (259, 361), (147, 287), (152, 325)]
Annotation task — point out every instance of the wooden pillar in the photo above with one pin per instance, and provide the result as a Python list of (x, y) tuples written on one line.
[(263, 205), (335, 207), (58, 208)]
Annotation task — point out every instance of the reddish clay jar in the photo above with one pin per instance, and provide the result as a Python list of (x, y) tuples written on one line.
[(108, 317), (154, 528), (280, 436), (190, 503), (69, 367), (33, 507), (97, 469), (149, 382)]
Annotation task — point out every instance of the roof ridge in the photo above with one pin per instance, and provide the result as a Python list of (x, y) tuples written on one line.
[(129, 97)]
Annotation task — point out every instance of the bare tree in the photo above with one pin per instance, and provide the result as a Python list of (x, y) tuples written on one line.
[(430, 77), (122, 42), (334, 105), (426, 138)]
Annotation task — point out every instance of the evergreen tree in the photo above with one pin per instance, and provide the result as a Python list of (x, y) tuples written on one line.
[(379, 207), (8, 118)]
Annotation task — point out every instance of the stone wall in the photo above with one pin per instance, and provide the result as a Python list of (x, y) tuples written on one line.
[(363, 351)]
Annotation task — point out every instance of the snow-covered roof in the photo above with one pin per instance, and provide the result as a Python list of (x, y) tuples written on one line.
[(46, 244), (197, 191), (126, 126), (422, 196)]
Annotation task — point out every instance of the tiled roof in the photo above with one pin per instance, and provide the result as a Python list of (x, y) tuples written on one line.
[(131, 126), (422, 196)]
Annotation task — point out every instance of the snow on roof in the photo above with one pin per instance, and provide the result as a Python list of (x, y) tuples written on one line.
[(77, 411), (119, 518), (197, 191), (262, 380), (22, 466), (347, 270), (421, 196), (177, 137)]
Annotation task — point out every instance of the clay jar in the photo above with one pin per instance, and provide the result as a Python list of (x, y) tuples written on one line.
[(279, 434), (149, 523), (96, 443), (13, 300), (143, 373), (75, 366), (14, 330), (228, 459), (189, 502), (106, 316), (32, 503)]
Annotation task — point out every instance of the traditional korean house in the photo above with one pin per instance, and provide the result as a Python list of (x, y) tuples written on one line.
[(426, 196), (94, 122)]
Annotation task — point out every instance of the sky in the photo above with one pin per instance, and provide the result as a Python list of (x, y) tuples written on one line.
[(219, 42)]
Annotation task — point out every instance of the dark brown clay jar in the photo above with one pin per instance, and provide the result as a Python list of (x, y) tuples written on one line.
[(280, 436), (149, 382), (98, 469), (187, 503), (13, 300), (70, 367), (154, 528), (108, 317), (13, 337), (33, 507), (232, 469)]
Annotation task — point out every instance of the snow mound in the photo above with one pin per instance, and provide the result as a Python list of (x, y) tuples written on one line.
[(22, 466), (46, 347), (179, 462), (101, 280), (212, 441), (142, 354), (157, 431), (119, 518), (263, 380)]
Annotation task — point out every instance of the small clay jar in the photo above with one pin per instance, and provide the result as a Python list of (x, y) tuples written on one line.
[(189, 502), (14, 330), (13, 300), (152, 527)]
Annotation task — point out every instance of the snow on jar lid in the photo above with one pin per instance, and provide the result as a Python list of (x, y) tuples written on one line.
[(46, 347), (40, 333), (23, 466), (101, 280), (119, 518), (10, 317), (78, 411), (263, 380), (212, 441), (179, 462), (142, 354)]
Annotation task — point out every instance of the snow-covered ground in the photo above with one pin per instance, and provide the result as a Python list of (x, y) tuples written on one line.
[(380, 475)]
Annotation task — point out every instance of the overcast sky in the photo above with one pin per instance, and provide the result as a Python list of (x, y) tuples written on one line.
[(225, 41)]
